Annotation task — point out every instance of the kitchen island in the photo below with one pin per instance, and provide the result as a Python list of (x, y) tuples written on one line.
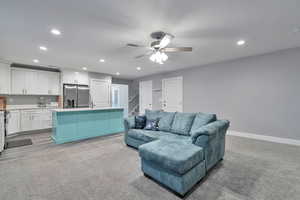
[(81, 123)]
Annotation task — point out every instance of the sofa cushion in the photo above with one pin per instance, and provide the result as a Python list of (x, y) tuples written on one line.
[(173, 155), (144, 135), (171, 136), (152, 114), (140, 122), (182, 123), (202, 119), (165, 121)]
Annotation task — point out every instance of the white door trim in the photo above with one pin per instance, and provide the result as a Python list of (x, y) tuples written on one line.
[(163, 93), (265, 138), (100, 80)]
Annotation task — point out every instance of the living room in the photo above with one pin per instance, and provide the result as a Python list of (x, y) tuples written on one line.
[(149, 100)]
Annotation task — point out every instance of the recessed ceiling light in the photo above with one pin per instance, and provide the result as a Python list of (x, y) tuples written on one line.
[(84, 68), (76, 72), (102, 60), (43, 48), (138, 68), (36, 61), (55, 31), (241, 42), (118, 73)]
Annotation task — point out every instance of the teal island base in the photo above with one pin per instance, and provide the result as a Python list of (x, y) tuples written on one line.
[(81, 123)]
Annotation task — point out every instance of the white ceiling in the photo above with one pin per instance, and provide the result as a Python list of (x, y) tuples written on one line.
[(94, 29)]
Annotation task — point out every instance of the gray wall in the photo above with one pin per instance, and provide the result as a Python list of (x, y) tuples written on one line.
[(28, 100), (259, 94), (121, 81)]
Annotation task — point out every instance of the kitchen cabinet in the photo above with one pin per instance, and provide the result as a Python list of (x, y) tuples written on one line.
[(34, 82), (54, 83), (26, 123), (36, 119), (47, 119), (4, 78), (48, 83), (13, 125), (74, 77), (24, 81)]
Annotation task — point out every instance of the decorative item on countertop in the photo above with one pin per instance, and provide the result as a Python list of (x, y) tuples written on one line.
[(2, 103)]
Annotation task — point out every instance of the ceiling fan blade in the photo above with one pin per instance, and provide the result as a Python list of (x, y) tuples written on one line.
[(176, 49), (143, 55), (134, 45), (139, 56), (165, 41)]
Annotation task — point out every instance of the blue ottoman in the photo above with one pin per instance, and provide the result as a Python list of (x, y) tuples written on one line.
[(177, 164)]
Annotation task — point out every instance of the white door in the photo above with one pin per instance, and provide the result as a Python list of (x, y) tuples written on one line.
[(100, 93), (119, 97), (172, 97), (145, 91)]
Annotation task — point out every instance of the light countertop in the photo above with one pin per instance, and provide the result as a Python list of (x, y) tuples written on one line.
[(28, 107), (84, 109)]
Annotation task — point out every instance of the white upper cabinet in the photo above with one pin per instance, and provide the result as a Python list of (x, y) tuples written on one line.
[(54, 83), (18, 81), (34, 82), (4, 78), (48, 83), (74, 77), (31, 82)]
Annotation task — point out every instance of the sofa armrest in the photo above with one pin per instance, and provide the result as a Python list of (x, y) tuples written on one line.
[(211, 138), (129, 123), (210, 130)]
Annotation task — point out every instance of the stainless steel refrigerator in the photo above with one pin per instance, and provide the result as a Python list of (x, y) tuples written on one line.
[(76, 96)]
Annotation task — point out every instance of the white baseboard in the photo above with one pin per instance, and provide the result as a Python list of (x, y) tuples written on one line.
[(265, 138)]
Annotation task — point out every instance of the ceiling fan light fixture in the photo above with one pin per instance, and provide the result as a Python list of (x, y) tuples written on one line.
[(152, 57), (164, 57), (158, 57)]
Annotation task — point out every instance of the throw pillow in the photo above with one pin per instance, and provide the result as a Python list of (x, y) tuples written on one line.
[(151, 125), (140, 122)]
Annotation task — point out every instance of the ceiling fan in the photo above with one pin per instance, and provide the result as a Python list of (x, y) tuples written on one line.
[(159, 47)]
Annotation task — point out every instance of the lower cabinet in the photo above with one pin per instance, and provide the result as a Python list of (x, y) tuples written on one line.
[(29, 120), (35, 120), (13, 125)]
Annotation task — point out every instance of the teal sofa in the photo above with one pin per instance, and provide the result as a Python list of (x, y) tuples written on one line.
[(183, 149)]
